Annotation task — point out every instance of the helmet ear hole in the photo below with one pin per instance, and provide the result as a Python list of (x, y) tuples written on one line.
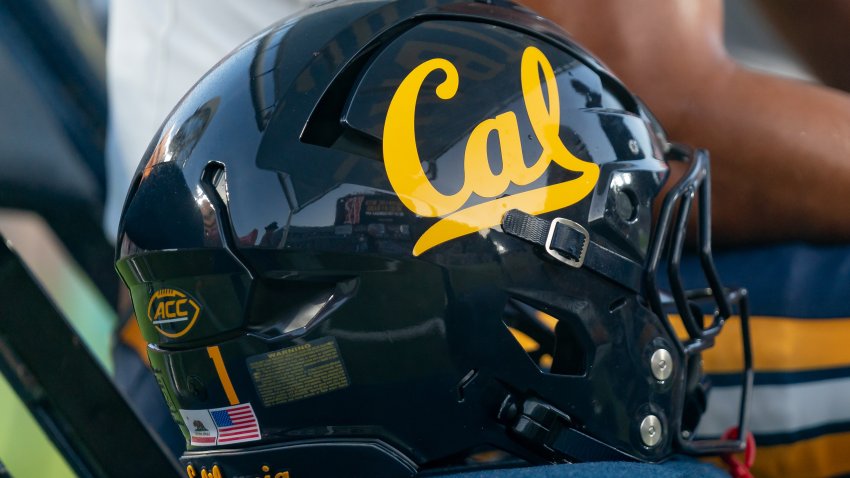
[(570, 356), (552, 344), (535, 334)]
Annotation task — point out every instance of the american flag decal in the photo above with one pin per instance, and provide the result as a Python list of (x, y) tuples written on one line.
[(236, 424)]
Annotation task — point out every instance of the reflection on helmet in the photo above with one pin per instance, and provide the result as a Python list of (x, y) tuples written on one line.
[(412, 235)]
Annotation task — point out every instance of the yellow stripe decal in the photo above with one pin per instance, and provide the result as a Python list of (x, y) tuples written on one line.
[(215, 355), (780, 344)]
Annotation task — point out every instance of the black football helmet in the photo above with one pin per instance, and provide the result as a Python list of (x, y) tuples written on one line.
[(387, 237)]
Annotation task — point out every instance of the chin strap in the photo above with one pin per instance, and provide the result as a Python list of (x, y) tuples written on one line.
[(568, 242), (550, 429)]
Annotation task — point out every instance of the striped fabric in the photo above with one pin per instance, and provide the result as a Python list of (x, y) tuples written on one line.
[(800, 307)]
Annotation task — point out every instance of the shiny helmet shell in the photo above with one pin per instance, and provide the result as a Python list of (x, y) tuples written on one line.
[(389, 236)]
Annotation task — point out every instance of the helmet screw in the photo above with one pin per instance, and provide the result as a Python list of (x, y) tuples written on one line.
[(661, 364), (651, 431)]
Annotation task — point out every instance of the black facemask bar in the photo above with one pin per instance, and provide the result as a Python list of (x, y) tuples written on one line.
[(669, 239)]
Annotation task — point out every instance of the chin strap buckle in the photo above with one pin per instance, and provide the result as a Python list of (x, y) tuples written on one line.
[(570, 243), (567, 241)]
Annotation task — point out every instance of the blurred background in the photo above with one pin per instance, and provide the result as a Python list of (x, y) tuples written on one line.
[(53, 116), (52, 130)]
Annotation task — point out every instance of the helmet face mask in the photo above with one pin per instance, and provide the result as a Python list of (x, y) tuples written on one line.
[(694, 189), (368, 236)]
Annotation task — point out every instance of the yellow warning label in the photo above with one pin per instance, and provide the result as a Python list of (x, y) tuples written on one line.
[(298, 372)]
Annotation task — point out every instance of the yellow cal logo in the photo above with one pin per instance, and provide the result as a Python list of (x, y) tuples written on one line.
[(173, 312), (408, 179)]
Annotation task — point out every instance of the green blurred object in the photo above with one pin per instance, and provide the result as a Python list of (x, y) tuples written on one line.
[(63, 280), (52, 59), (24, 448)]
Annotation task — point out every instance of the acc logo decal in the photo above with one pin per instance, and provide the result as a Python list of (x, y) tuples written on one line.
[(408, 179), (173, 312)]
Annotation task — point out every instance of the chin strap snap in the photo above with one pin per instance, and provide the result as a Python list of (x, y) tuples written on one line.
[(736, 468), (552, 431)]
